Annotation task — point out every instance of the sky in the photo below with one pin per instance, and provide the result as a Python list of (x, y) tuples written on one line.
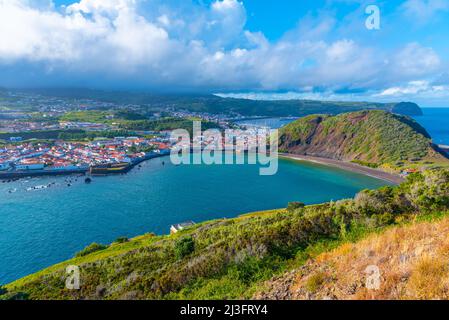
[(320, 49)]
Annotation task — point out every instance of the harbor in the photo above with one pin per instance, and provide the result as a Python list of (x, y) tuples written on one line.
[(118, 155), (113, 168)]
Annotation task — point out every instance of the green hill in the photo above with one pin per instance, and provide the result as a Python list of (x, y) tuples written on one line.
[(219, 105), (233, 258), (374, 138)]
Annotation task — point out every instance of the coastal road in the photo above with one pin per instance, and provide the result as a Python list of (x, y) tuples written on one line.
[(393, 178)]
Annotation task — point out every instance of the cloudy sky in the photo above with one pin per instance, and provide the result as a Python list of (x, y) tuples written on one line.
[(252, 48)]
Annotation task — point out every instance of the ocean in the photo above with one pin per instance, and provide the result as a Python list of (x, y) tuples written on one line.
[(43, 227), (436, 122)]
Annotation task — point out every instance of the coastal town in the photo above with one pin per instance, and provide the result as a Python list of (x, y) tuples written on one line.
[(48, 135), (103, 156), (59, 157), (52, 135)]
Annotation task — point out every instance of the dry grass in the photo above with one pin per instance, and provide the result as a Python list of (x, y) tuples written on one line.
[(413, 262)]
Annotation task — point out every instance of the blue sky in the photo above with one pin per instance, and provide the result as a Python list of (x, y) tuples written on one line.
[(257, 49)]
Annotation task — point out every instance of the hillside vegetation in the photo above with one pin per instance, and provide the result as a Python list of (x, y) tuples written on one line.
[(233, 258), (219, 105), (127, 120), (374, 138), (412, 262)]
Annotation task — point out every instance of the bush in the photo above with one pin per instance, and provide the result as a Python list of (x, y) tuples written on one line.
[(121, 240), (366, 163), (315, 281), (184, 247), (292, 206), (3, 290), (90, 249)]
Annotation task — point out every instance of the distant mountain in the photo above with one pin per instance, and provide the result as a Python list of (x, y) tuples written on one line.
[(218, 105), (407, 108), (374, 138)]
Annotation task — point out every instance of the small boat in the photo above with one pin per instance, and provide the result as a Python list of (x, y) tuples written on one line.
[(41, 187), (12, 190)]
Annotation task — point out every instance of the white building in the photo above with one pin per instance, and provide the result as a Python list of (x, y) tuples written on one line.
[(180, 226), (32, 166)]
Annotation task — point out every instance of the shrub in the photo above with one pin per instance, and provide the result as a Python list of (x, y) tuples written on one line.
[(184, 247), (121, 240), (385, 219), (366, 163), (90, 249), (292, 206), (315, 281)]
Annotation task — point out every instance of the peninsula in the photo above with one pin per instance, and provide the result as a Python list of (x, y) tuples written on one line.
[(376, 139)]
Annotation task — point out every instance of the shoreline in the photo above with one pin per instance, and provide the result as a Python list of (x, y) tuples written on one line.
[(4, 176), (348, 166)]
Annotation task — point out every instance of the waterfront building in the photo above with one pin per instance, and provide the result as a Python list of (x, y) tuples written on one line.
[(180, 226)]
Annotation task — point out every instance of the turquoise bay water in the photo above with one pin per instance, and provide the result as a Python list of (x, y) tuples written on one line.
[(274, 123), (43, 227)]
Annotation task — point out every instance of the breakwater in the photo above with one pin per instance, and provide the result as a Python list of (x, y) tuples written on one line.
[(16, 174)]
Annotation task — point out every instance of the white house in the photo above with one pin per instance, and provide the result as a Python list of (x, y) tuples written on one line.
[(180, 226)]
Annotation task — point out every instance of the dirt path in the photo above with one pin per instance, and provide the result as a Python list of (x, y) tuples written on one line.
[(348, 166)]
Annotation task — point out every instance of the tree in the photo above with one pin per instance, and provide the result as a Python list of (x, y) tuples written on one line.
[(184, 247)]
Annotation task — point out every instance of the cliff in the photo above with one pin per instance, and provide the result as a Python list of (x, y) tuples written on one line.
[(373, 138)]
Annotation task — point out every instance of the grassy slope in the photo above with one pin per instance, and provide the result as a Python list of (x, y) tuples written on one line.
[(233, 258), (374, 138), (412, 260)]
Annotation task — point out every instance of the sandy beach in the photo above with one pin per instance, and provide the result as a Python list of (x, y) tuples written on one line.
[(393, 178)]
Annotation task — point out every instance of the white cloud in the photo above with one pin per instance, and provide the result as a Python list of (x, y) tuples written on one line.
[(422, 87), (142, 43), (100, 7), (424, 10), (415, 60)]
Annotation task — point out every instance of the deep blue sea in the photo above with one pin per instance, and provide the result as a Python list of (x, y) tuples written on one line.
[(43, 227), (436, 122)]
